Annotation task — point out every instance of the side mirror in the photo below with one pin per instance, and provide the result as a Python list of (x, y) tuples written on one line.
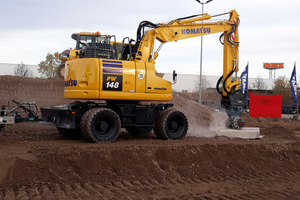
[(174, 77)]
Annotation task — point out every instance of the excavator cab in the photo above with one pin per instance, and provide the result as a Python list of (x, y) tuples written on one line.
[(88, 38)]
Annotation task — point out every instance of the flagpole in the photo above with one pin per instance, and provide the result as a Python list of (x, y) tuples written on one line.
[(296, 88), (247, 103)]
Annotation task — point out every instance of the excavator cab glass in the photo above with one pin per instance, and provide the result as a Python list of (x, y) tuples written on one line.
[(102, 39), (87, 39)]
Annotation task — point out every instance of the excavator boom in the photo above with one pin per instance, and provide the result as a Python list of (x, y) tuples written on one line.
[(194, 26)]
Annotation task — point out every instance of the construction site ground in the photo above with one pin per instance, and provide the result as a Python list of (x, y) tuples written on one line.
[(36, 162)]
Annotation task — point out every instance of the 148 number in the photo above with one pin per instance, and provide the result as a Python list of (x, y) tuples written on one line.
[(112, 85)]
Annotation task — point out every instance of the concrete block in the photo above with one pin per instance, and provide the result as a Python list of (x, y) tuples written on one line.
[(245, 133)]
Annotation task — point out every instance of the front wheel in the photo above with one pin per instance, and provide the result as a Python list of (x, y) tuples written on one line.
[(171, 124), (100, 125)]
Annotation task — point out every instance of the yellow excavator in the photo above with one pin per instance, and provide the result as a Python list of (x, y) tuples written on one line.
[(123, 74)]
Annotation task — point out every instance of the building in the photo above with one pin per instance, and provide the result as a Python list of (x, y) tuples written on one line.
[(185, 82), (8, 69), (189, 83)]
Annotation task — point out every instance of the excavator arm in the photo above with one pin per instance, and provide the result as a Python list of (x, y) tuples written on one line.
[(180, 29), (194, 26)]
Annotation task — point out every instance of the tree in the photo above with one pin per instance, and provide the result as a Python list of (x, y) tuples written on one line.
[(49, 66), (282, 85), (23, 70), (204, 83), (259, 83)]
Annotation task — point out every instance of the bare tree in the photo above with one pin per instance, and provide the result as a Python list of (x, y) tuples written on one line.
[(23, 70), (259, 83), (204, 83)]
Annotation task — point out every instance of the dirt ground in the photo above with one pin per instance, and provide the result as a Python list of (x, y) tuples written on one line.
[(36, 162)]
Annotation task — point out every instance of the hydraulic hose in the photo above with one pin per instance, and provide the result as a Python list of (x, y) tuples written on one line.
[(140, 33), (221, 38), (218, 85), (229, 35), (232, 71)]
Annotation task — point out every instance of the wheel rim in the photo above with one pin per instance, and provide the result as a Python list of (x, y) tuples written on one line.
[(175, 126), (104, 125)]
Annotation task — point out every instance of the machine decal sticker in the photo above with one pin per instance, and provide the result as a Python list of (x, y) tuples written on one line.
[(110, 61), (112, 75), (195, 31), (112, 65), (111, 70), (87, 74), (71, 83), (112, 82), (160, 88), (141, 76)]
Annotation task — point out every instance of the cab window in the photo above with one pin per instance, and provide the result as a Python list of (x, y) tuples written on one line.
[(86, 38)]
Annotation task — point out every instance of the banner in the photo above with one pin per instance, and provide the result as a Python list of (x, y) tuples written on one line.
[(293, 83), (244, 80)]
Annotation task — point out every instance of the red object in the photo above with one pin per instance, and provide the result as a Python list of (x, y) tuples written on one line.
[(265, 105)]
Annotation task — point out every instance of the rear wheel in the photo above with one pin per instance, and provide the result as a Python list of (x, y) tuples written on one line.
[(139, 130), (100, 125), (171, 124)]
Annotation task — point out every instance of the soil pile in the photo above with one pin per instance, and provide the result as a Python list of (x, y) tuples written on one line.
[(36, 162)]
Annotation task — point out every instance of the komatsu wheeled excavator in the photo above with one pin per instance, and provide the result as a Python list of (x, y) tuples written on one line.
[(123, 74)]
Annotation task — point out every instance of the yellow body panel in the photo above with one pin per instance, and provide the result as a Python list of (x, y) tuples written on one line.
[(93, 78), (82, 79), (154, 83)]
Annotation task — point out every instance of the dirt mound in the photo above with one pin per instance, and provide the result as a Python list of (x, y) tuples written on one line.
[(45, 92), (36, 162)]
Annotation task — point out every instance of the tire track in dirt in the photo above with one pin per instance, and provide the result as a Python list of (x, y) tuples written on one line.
[(239, 187)]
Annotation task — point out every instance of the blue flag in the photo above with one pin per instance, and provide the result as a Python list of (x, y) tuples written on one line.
[(293, 83), (244, 80)]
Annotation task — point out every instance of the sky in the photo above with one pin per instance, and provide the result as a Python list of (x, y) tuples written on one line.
[(268, 31)]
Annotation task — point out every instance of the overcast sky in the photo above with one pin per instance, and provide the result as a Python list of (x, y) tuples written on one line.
[(269, 31)]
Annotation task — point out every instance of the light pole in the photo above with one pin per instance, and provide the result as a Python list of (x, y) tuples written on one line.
[(200, 85)]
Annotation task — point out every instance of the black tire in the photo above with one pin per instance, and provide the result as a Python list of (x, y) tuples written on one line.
[(171, 124), (139, 130), (100, 125), (69, 133)]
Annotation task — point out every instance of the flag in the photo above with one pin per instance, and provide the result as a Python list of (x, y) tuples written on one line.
[(293, 83), (244, 80)]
